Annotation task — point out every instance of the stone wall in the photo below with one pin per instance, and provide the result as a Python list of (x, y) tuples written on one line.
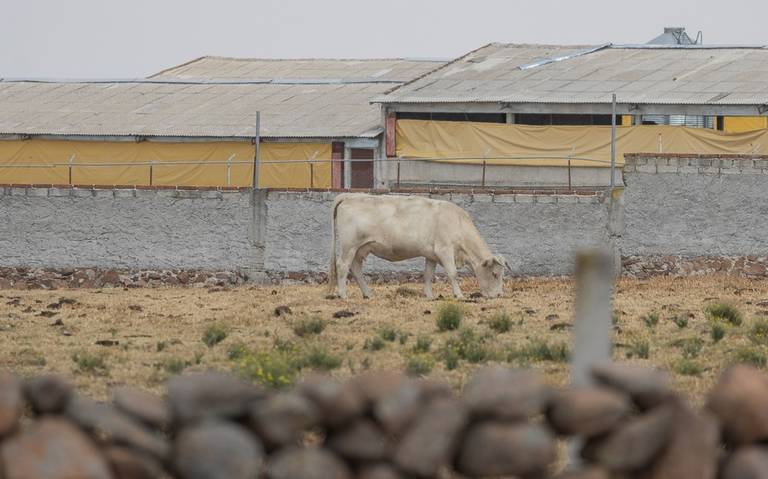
[(213, 230), (695, 214)]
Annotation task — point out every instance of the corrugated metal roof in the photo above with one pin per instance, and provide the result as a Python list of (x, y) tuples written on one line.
[(223, 68), (213, 97), (708, 75), (204, 109)]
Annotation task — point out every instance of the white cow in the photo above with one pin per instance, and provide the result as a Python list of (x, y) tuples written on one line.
[(397, 228)]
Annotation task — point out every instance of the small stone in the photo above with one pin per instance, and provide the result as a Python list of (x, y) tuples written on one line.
[(306, 463), (587, 411), (107, 342), (11, 403), (739, 401), (282, 311), (343, 314), (505, 393), (692, 449), (362, 440), (635, 443), (52, 448), (135, 307), (129, 464), (379, 471), (114, 427), (217, 450), (338, 403), (145, 407), (647, 387), (281, 419), (552, 317), (48, 394), (749, 462), (500, 449), (430, 443), (197, 396)]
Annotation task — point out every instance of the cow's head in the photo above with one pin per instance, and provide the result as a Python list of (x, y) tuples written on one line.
[(490, 275)]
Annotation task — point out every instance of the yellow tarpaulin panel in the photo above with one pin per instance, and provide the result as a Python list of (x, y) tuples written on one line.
[(290, 175), (738, 124), (172, 163), (535, 145)]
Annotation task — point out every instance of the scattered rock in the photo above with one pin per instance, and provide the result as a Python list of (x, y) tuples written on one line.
[(58, 322), (750, 462), (430, 443), (282, 311), (560, 326), (362, 440), (306, 463), (135, 307), (426, 311), (107, 342), (280, 419), (143, 406), (505, 393), (343, 314), (634, 444), (47, 314), (499, 449), (587, 411), (52, 448), (130, 464), (48, 394), (217, 450), (646, 387), (739, 401), (11, 403), (475, 295), (115, 427), (552, 317), (193, 397)]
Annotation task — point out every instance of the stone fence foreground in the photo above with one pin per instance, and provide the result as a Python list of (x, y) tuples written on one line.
[(386, 426)]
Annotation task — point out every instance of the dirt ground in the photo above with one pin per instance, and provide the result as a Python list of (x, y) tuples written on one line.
[(108, 337)]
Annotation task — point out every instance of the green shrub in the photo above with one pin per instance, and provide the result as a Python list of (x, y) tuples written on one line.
[(469, 346), (680, 321), (500, 322), (538, 350), (374, 344), (423, 344), (30, 357), (450, 358), (690, 347), (758, 333), (306, 327), (639, 348), (651, 319), (725, 312), (160, 346), (276, 369), (174, 365), (90, 363), (688, 367), (717, 332), (419, 364), (237, 351), (214, 334), (318, 357), (750, 355), (402, 338), (388, 334), (449, 317)]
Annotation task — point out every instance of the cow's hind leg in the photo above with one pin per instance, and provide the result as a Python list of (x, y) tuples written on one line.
[(449, 265), (357, 272), (345, 262), (429, 273)]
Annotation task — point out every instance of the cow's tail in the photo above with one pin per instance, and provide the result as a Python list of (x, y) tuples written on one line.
[(332, 274)]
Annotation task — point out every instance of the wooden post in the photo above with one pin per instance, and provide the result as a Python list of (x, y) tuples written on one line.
[(151, 165), (71, 159), (398, 173), (483, 183)]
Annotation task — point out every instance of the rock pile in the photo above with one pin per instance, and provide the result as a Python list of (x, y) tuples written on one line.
[(385, 426)]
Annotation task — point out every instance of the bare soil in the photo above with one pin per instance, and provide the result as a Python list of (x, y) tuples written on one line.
[(140, 336)]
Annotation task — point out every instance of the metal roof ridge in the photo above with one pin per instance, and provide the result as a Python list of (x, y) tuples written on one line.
[(567, 56), (310, 59), (645, 46), (205, 81)]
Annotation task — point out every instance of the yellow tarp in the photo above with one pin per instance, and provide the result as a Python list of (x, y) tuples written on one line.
[(533, 144), (738, 124), (169, 168)]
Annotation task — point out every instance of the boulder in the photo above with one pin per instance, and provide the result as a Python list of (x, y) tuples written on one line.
[(130, 464), (143, 406), (48, 393), (362, 440), (739, 400), (198, 396), (647, 387), (337, 403), (379, 471), (587, 411), (748, 462), (11, 403), (282, 418), (306, 463), (504, 393), (217, 450)]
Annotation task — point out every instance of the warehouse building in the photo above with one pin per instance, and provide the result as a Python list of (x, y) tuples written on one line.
[(195, 124)]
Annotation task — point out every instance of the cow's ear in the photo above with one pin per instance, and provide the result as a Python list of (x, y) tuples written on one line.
[(488, 263)]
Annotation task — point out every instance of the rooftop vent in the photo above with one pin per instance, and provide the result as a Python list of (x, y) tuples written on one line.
[(676, 36)]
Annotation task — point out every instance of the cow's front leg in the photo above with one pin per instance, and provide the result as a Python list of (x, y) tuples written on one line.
[(357, 273), (449, 265), (429, 273)]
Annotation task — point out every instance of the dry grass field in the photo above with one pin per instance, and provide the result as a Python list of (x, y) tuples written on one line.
[(108, 337)]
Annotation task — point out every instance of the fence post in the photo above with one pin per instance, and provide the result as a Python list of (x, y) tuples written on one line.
[(151, 171), (258, 226), (398, 172), (311, 175), (71, 160), (229, 169), (613, 141), (483, 183)]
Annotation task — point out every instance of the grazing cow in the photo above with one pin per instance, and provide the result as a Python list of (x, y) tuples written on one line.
[(397, 228)]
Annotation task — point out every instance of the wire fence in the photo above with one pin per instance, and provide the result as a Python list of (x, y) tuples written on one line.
[(395, 164)]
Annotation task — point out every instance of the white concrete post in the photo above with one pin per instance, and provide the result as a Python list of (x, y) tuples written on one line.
[(347, 167)]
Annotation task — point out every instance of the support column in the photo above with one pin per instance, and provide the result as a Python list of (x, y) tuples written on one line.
[(347, 167), (511, 120), (337, 170)]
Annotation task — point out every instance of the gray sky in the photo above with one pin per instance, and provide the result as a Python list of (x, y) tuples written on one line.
[(127, 39)]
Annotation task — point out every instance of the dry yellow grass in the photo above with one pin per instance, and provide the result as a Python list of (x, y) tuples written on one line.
[(156, 327)]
